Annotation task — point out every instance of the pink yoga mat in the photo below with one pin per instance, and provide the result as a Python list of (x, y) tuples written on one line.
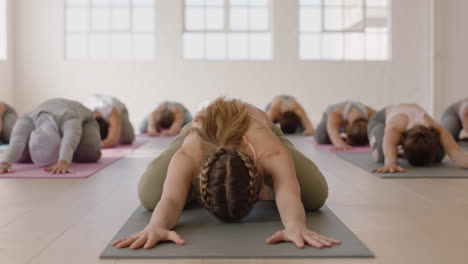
[(80, 170), (331, 148)]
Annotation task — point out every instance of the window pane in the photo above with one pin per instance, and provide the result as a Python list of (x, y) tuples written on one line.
[(309, 46), (215, 46), (310, 19), (238, 44), (143, 3), (194, 19), (379, 3), (76, 46), (333, 18), (214, 2), (121, 3), (332, 44), (239, 19), (100, 18), (143, 20), (353, 19), (194, 45), (354, 46), (260, 46), (143, 46), (77, 20), (239, 2), (258, 18), (121, 46), (259, 3), (100, 3), (353, 3), (77, 3), (121, 18), (214, 18), (99, 46), (195, 2), (332, 2), (376, 45), (311, 2)]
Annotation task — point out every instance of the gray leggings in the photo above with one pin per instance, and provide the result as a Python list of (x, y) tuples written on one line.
[(451, 121), (314, 188), (88, 150), (376, 132), (321, 133), (8, 121), (127, 133)]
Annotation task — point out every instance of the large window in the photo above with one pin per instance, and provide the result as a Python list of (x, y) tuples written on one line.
[(344, 29), (3, 29), (109, 29), (227, 30)]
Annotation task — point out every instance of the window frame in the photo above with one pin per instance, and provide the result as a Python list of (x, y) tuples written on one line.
[(110, 32), (323, 31), (227, 30)]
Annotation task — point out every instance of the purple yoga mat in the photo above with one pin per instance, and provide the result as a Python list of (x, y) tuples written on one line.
[(80, 170), (331, 148)]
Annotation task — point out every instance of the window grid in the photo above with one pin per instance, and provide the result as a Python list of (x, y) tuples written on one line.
[(110, 34), (370, 37), (227, 32), (3, 30)]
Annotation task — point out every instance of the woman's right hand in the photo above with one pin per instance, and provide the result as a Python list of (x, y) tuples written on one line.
[(148, 238), (342, 146), (5, 168), (153, 133), (390, 168)]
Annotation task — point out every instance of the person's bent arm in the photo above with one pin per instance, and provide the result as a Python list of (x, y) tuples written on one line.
[(2, 112), (305, 121), (391, 141), (288, 199), (274, 111), (333, 128), (178, 123), (152, 131), (115, 128), (450, 146)]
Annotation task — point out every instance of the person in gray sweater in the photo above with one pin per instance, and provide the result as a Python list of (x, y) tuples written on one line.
[(56, 133)]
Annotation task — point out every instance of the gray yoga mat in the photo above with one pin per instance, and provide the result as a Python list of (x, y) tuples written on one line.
[(446, 169), (207, 237)]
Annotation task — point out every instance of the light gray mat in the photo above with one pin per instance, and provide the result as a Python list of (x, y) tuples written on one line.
[(446, 169), (207, 237)]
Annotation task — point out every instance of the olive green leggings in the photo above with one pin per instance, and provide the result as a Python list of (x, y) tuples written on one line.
[(314, 188)]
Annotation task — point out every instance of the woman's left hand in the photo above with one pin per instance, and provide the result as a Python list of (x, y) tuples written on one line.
[(62, 167), (302, 236), (308, 132)]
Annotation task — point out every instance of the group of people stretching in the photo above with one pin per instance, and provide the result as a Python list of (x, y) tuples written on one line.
[(232, 154)]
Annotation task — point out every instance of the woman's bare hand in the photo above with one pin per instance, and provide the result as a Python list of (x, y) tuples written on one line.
[(302, 236), (148, 238)]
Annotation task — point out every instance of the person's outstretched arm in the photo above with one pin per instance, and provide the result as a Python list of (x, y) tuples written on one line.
[(333, 128), (115, 128), (288, 199), (182, 168), (19, 138), (391, 141)]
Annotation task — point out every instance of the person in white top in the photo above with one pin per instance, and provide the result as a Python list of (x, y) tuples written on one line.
[(112, 116), (423, 141)]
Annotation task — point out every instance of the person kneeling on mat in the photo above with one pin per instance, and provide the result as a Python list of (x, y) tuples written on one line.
[(423, 141), (289, 114), (222, 160), (55, 133), (455, 118), (166, 120), (349, 118), (112, 117)]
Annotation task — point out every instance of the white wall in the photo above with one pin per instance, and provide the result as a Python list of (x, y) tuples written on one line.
[(6, 66), (452, 53), (41, 71)]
